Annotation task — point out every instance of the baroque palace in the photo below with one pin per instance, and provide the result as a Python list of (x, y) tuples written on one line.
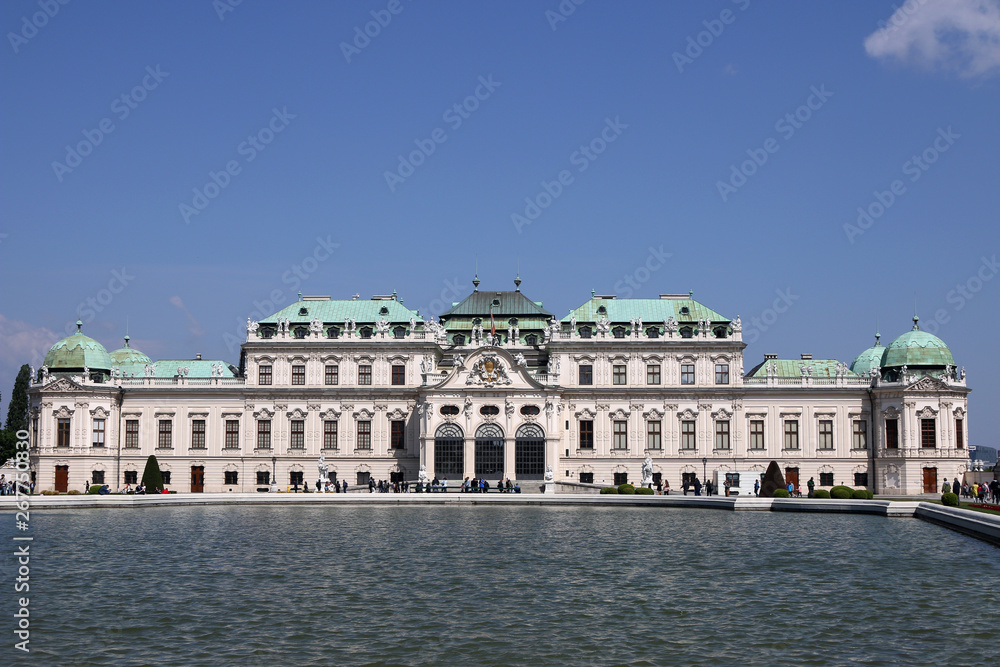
[(498, 388)]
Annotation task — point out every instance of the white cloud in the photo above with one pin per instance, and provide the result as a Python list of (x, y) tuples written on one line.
[(953, 35), (193, 326), (22, 343)]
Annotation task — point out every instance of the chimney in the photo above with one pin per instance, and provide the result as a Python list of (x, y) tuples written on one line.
[(197, 357), (806, 357), (768, 357)]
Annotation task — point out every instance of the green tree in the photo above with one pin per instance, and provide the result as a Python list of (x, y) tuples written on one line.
[(17, 411), (8, 445), (152, 478)]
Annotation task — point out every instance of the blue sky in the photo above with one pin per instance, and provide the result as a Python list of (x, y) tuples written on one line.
[(176, 166)]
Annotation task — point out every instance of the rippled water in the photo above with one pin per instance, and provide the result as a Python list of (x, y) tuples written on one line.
[(501, 585)]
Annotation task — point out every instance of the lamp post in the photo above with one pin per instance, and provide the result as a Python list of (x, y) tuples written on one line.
[(704, 469), (274, 474)]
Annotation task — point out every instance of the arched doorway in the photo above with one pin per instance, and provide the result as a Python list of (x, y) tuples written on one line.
[(529, 452), (489, 451), (449, 451)]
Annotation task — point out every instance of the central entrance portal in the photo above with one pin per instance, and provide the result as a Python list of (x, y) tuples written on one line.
[(489, 452), (529, 452)]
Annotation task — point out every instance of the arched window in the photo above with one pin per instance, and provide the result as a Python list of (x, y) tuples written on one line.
[(449, 450), (489, 451), (529, 452)]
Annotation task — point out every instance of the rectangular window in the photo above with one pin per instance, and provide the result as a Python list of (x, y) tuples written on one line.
[(722, 434), (757, 434), (232, 434), (860, 440), (586, 478), (165, 476), (959, 433), (364, 478), (688, 435), (365, 374), (295, 478), (620, 478), (62, 433), (654, 433), (198, 434), (928, 434), (97, 477), (166, 434), (620, 432), (232, 477), (825, 434), (264, 374), (330, 434), (860, 479), (263, 477), (98, 433), (398, 374), (331, 374), (132, 433), (586, 434), (586, 374), (298, 434), (892, 434), (687, 373), (791, 434), (653, 374), (397, 429), (722, 374), (826, 479), (131, 476), (364, 435), (298, 374), (618, 374), (264, 434)]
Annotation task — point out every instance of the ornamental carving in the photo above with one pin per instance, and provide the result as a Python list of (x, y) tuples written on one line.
[(687, 414), (927, 413), (396, 414), (652, 415), (722, 414), (891, 413), (488, 371)]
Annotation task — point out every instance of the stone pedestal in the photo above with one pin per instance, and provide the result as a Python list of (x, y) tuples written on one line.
[(550, 487), (274, 488)]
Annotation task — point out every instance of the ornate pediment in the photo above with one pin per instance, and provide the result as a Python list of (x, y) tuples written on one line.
[(928, 384), (687, 414), (330, 413), (488, 368), (396, 414), (488, 371), (62, 413), (263, 413), (364, 414), (891, 412), (927, 413), (619, 414), (297, 413), (722, 414), (99, 413), (652, 415), (62, 384)]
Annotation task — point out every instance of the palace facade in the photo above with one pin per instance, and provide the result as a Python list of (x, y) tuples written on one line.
[(498, 388)]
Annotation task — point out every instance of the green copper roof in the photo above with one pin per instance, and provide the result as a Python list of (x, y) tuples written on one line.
[(76, 352), (869, 359), (128, 355), (792, 368), (337, 312), (917, 348), (167, 368), (510, 304), (649, 310)]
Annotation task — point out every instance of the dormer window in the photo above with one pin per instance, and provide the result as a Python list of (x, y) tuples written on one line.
[(512, 321), (383, 311), (602, 310), (719, 332), (303, 311), (496, 303), (266, 332), (458, 339), (686, 332), (618, 332), (685, 310), (333, 332), (399, 332), (301, 332), (652, 332), (365, 332), (531, 339), (586, 332)]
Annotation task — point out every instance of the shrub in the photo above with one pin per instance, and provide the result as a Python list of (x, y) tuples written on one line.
[(870, 494), (949, 499), (609, 490), (822, 493), (47, 492), (643, 492), (841, 492), (780, 493), (94, 488), (626, 489), (73, 492), (152, 478), (860, 494)]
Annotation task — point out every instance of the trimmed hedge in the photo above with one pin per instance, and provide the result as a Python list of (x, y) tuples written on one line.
[(644, 492), (841, 492), (822, 493), (94, 488), (859, 494), (609, 490), (949, 499), (626, 489), (780, 493)]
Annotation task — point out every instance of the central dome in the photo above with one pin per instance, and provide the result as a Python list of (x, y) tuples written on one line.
[(76, 352), (917, 348), (127, 355)]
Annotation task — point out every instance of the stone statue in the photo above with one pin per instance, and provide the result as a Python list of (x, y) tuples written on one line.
[(413, 325), (422, 474), (647, 473), (520, 360), (603, 325), (509, 407), (423, 365), (382, 326), (549, 475), (459, 361), (324, 473), (962, 376), (738, 324)]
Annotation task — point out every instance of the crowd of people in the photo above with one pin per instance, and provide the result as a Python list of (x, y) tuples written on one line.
[(982, 492), (8, 486)]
